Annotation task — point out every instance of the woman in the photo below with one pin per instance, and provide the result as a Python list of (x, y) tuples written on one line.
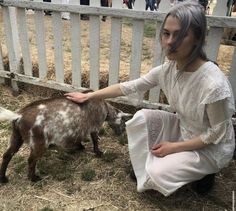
[(169, 150)]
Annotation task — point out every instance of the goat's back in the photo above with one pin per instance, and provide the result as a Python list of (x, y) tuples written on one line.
[(59, 120)]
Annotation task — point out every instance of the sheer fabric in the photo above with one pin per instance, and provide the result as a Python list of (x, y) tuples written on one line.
[(203, 103), (197, 97)]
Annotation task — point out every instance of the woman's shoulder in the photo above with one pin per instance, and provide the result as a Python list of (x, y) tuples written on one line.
[(164, 69), (214, 83), (211, 74)]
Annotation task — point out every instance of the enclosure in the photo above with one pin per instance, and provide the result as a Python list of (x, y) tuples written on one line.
[(45, 55)]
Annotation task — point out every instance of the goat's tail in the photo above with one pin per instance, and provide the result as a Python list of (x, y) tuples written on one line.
[(7, 115)]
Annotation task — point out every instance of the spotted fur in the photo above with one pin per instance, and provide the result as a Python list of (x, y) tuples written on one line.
[(58, 122)]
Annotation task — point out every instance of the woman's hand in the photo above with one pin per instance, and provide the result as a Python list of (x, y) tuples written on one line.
[(78, 97), (164, 148)]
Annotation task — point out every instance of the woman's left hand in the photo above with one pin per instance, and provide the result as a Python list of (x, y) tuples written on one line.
[(164, 148)]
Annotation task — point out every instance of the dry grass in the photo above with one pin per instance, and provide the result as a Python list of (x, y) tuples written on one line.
[(68, 183), (65, 184)]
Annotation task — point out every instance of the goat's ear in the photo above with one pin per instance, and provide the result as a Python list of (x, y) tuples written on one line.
[(125, 116)]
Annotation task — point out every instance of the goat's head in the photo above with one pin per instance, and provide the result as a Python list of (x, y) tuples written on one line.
[(116, 119)]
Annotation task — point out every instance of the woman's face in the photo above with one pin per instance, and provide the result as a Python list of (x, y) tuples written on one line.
[(170, 32)]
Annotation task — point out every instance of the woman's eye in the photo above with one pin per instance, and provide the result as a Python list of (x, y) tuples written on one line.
[(165, 34)]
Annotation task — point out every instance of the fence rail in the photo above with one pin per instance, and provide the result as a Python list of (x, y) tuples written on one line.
[(18, 49)]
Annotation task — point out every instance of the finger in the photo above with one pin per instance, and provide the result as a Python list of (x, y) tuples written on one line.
[(70, 94), (156, 146)]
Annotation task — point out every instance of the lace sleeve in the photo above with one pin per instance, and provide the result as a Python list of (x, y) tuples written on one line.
[(221, 126), (219, 133)]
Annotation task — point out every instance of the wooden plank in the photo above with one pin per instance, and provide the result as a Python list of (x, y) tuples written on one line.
[(116, 30), (90, 10), (58, 47), (24, 41), (10, 40), (213, 42), (136, 51), (2, 80), (117, 3), (220, 8), (232, 76), (76, 49), (217, 21), (1, 59), (40, 42), (139, 5), (165, 6), (116, 27), (94, 51), (69, 88), (157, 54), (154, 93)]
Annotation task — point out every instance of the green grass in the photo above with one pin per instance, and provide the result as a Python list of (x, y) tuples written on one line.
[(46, 209), (109, 157), (149, 29), (88, 175)]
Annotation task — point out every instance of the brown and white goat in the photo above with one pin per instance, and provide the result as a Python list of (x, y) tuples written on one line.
[(57, 121)]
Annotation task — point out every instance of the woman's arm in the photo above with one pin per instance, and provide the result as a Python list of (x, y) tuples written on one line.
[(218, 116), (164, 148), (108, 92)]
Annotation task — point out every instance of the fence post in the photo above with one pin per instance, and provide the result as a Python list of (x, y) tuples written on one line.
[(220, 8), (139, 5), (13, 43), (165, 6), (232, 76)]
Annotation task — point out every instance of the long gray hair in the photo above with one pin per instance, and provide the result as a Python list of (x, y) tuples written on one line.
[(191, 16)]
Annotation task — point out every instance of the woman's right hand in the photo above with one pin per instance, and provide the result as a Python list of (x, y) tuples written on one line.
[(78, 97)]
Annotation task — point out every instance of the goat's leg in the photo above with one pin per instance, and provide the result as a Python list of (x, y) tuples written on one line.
[(15, 144), (35, 154), (95, 138)]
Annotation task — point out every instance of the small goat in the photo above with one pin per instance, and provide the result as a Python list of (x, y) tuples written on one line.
[(57, 121)]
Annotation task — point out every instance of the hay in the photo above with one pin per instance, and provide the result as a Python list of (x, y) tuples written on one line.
[(62, 187)]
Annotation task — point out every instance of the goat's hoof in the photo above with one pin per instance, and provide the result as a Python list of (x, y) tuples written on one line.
[(35, 178), (99, 154), (80, 147), (3, 179)]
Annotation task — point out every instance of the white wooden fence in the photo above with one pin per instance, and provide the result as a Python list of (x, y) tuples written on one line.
[(18, 44)]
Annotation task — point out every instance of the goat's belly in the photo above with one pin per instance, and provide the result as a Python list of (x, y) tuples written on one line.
[(63, 137)]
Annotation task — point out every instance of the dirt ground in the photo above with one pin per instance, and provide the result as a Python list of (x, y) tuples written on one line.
[(65, 185), (107, 186)]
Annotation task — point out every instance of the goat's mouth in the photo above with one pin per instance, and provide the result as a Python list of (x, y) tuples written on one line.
[(117, 128)]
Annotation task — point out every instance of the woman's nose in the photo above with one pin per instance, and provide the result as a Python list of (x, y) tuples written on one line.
[(170, 40)]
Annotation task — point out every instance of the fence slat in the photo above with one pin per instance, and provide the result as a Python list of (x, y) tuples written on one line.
[(154, 94), (13, 51), (213, 42), (116, 27), (76, 49), (58, 48), (232, 76), (1, 59), (117, 15), (40, 40), (24, 41), (2, 80), (94, 51), (136, 52)]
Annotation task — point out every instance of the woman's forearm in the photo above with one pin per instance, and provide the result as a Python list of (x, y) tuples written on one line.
[(108, 92), (189, 145)]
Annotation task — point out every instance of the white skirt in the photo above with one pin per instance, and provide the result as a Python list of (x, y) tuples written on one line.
[(164, 174)]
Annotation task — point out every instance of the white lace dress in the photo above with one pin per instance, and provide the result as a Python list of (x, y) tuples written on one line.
[(203, 103)]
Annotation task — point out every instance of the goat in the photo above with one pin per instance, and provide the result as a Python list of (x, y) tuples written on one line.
[(57, 122)]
